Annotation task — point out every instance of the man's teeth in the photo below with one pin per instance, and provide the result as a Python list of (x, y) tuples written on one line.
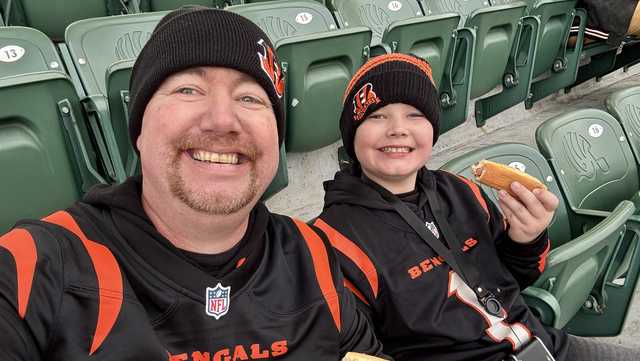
[(396, 149), (225, 158)]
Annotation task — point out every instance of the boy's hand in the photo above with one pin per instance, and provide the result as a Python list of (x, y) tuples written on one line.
[(529, 214)]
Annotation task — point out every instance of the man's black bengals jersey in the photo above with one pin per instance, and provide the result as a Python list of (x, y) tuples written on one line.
[(98, 282), (420, 308)]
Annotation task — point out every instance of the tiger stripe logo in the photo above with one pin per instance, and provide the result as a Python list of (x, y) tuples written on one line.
[(362, 100), (270, 66)]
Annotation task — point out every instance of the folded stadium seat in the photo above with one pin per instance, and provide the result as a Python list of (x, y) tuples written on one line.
[(625, 106), (504, 51), (400, 26), (595, 168), (556, 63), (52, 17), (318, 60), (577, 264), (47, 162)]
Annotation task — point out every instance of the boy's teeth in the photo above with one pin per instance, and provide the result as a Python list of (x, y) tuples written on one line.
[(396, 149), (224, 158)]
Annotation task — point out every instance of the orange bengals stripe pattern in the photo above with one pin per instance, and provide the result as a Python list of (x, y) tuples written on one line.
[(321, 265), (22, 247), (355, 291), (108, 274), (347, 247)]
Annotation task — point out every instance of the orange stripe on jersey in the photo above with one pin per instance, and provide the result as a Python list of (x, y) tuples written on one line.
[(108, 274), (355, 291), (476, 191), (353, 252), (542, 262), (321, 265), (22, 247)]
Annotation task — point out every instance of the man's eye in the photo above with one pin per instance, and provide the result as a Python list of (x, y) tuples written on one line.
[(251, 99), (186, 91)]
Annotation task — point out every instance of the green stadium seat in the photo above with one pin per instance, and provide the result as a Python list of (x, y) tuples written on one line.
[(595, 167), (318, 60), (400, 26), (625, 106), (556, 64), (503, 54), (578, 260), (52, 17), (26, 50), (47, 162), (93, 45)]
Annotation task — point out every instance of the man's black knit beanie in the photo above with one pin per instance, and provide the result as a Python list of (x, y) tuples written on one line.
[(388, 79), (200, 36)]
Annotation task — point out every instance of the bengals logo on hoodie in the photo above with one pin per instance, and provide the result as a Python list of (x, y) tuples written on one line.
[(362, 100), (270, 66)]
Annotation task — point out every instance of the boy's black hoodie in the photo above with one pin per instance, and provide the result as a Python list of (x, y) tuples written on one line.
[(420, 308)]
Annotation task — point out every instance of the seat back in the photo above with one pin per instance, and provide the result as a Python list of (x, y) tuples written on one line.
[(374, 14), (282, 19), (521, 157), (26, 50), (625, 106), (40, 143), (556, 18), (589, 153)]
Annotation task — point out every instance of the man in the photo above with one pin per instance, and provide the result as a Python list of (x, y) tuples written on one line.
[(184, 262)]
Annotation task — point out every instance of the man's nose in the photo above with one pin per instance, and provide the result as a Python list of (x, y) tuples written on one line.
[(219, 115)]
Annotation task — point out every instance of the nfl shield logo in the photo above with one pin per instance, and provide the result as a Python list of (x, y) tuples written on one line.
[(218, 299), (433, 228)]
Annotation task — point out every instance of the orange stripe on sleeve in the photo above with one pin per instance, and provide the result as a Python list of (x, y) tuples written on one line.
[(355, 291), (476, 191), (321, 265), (542, 262), (353, 252), (110, 287), (22, 247)]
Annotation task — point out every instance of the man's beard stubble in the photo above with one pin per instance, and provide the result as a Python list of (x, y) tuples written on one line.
[(213, 203)]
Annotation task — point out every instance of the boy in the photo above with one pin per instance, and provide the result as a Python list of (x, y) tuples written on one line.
[(452, 292)]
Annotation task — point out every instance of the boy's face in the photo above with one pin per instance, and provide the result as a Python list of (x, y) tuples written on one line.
[(393, 143)]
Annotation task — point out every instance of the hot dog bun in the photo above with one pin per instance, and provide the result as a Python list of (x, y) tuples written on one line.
[(354, 356), (500, 176)]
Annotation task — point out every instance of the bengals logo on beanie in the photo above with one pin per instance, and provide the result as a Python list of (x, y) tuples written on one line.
[(271, 67), (362, 100)]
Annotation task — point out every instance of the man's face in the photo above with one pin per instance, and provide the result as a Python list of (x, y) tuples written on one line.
[(393, 143), (209, 137)]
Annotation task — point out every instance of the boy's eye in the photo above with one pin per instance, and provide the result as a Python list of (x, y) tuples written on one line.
[(416, 115), (376, 116)]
